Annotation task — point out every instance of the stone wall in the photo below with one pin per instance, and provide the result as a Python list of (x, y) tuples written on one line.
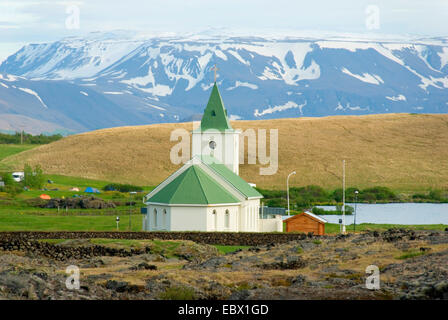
[(222, 238)]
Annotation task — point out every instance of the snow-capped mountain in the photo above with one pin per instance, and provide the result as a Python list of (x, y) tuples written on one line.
[(113, 79)]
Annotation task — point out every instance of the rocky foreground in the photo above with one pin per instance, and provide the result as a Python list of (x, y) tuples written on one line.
[(412, 265)]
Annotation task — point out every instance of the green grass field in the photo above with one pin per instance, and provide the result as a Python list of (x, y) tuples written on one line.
[(7, 150), (15, 221), (332, 228)]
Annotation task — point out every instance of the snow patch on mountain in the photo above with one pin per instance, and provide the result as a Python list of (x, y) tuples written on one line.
[(349, 107), (9, 78), (158, 90), (286, 106), (365, 77), (113, 92), (156, 107), (233, 117), (443, 57), (400, 97), (243, 84), (33, 93)]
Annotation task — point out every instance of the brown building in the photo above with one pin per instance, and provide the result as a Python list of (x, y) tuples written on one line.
[(306, 222)]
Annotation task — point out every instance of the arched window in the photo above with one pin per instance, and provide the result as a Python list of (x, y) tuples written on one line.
[(227, 219), (164, 220), (155, 219), (215, 220)]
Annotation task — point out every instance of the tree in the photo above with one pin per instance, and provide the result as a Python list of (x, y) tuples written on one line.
[(7, 178), (34, 178)]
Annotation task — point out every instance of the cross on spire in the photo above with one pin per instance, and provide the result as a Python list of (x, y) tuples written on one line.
[(215, 68)]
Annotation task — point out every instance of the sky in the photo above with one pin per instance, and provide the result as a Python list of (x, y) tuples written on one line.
[(37, 21)]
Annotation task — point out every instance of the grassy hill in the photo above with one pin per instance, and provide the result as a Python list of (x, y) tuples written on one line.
[(406, 152), (7, 150)]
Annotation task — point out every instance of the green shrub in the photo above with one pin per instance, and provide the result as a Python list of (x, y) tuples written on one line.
[(411, 254), (377, 193), (122, 187), (7, 178), (369, 194), (34, 177), (13, 189), (178, 293), (319, 211), (435, 195)]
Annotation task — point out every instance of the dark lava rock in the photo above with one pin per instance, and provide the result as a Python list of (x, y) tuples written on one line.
[(239, 295), (145, 266), (121, 286), (293, 262), (298, 281)]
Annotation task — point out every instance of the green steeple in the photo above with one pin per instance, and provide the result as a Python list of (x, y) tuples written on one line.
[(215, 115)]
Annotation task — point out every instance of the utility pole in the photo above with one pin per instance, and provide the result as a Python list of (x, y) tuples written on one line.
[(343, 196), (130, 207), (287, 188), (356, 201)]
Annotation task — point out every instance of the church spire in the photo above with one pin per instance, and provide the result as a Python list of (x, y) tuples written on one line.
[(215, 115)]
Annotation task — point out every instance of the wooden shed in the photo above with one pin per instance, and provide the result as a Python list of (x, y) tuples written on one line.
[(306, 222)]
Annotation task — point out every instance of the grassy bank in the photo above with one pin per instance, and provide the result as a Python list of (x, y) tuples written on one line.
[(333, 228)]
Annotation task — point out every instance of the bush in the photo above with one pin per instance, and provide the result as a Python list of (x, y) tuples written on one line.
[(178, 293), (277, 202), (377, 193), (13, 190), (122, 187), (319, 211), (34, 178), (349, 194), (270, 194), (7, 178), (370, 194), (436, 195)]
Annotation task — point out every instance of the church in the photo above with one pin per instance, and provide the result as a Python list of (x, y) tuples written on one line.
[(206, 193)]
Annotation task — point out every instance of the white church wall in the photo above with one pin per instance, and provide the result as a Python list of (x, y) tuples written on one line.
[(158, 218), (271, 225), (189, 218), (250, 215), (218, 221)]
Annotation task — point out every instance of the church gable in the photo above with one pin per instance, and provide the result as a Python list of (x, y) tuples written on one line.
[(193, 186), (215, 115)]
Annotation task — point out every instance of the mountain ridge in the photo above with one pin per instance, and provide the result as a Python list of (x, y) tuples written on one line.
[(128, 80)]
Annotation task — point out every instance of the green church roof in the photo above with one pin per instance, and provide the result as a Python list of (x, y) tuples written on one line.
[(235, 180), (193, 186), (215, 115)]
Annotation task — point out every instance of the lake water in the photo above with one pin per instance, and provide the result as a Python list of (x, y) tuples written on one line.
[(394, 213)]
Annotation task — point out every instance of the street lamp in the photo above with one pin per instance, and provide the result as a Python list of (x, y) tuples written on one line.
[(130, 207), (356, 200), (287, 188)]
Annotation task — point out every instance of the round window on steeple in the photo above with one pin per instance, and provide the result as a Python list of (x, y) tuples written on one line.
[(212, 145)]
